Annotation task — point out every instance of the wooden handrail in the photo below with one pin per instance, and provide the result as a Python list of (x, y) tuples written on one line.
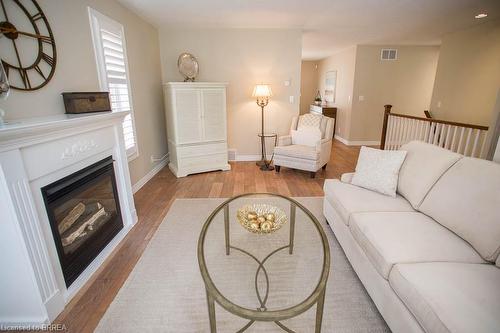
[(446, 122)]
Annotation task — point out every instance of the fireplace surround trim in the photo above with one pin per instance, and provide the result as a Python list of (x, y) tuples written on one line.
[(34, 153)]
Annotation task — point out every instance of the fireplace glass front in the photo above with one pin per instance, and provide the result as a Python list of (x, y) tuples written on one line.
[(84, 214)]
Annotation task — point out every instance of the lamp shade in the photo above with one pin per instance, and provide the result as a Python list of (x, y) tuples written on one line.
[(262, 90)]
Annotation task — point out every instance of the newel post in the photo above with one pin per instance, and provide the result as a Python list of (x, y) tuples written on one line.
[(387, 111)]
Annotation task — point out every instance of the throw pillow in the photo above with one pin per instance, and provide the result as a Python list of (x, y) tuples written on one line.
[(306, 136), (378, 170)]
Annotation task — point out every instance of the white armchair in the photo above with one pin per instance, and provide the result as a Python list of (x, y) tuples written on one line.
[(305, 157)]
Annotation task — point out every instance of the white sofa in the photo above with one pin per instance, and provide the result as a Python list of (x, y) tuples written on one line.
[(304, 157), (429, 258)]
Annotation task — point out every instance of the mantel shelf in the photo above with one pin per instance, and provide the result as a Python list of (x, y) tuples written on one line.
[(24, 131)]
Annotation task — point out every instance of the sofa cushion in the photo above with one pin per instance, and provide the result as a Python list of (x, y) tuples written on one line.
[(423, 166), (348, 199), (390, 238), (298, 151), (450, 297), (466, 200)]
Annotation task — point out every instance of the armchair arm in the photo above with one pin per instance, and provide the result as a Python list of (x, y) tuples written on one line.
[(322, 144), (284, 140)]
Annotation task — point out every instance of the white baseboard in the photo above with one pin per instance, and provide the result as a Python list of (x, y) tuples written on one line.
[(137, 186), (249, 158), (357, 143)]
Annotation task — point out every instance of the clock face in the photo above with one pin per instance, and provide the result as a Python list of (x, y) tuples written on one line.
[(27, 46)]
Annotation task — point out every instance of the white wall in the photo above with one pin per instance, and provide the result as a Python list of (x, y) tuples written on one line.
[(344, 63), (243, 58), (308, 84), (406, 83), (468, 75), (76, 71)]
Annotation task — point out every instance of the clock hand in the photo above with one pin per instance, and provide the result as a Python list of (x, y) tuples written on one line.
[(7, 30)]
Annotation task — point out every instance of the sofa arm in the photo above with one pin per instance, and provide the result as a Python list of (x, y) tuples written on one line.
[(346, 177), (284, 140)]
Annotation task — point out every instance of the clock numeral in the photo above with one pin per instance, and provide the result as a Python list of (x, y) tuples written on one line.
[(37, 16), (39, 71), (46, 39), (6, 69), (48, 59), (24, 76)]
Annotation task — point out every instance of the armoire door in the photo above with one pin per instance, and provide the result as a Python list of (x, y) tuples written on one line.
[(188, 115), (214, 114)]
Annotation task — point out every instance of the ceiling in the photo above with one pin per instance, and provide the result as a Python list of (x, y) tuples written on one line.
[(327, 26)]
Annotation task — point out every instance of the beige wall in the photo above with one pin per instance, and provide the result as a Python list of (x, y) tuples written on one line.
[(76, 71), (243, 58), (308, 84), (344, 63), (468, 75), (405, 83)]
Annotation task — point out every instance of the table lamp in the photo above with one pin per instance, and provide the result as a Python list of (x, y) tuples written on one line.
[(262, 92)]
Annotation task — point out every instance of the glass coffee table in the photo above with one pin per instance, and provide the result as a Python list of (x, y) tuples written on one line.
[(272, 277)]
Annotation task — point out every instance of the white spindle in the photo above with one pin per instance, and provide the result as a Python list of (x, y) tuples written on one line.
[(474, 147), (452, 148), (387, 143), (437, 129), (427, 132), (461, 140), (420, 129), (483, 145), (442, 135), (467, 141), (448, 134), (400, 132), (431, 133)]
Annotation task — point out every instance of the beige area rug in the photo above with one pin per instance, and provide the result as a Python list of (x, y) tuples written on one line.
[(165, 291)]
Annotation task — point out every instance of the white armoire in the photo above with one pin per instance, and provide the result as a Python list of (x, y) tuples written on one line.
[(196, 127)]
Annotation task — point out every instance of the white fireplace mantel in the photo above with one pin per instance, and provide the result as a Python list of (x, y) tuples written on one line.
[(33, 154)]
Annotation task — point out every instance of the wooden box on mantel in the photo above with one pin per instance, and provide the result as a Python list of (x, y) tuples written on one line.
[(86, 102)]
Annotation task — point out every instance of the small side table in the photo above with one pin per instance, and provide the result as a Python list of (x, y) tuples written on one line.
[(264, 164)]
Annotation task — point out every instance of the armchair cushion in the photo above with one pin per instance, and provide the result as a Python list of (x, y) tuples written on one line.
[(306, 135), (298, 151)]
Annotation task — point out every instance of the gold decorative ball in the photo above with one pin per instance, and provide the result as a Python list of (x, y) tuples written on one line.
[(266, 226), (270, 217), (261, 219), (251, 216), (254, 226)]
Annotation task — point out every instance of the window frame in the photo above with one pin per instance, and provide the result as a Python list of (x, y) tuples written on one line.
[(98, 20)]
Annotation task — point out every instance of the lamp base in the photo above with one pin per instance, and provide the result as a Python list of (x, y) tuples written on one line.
[(266, 167)]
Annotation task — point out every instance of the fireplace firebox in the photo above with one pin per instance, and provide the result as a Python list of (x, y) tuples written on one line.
[(84, 214)]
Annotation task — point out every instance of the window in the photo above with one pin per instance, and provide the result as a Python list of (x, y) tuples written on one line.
[(112, 68)]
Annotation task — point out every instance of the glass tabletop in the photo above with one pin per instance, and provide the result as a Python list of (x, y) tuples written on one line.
[(256, 272)]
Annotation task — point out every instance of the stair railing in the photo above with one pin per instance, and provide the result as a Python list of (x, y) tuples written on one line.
[(465, 139)]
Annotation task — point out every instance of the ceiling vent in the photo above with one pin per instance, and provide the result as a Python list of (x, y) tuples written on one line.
[(389, 54)]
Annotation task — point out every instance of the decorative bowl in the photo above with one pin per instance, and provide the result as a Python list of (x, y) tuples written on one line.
[(261, 218)]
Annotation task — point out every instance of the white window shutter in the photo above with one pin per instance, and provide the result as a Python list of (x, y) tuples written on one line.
[(111, 56)]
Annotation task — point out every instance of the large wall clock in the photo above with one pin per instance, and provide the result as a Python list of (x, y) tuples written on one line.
[(27, 45)]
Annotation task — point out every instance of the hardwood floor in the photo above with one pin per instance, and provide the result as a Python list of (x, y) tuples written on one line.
[(152, 203)]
